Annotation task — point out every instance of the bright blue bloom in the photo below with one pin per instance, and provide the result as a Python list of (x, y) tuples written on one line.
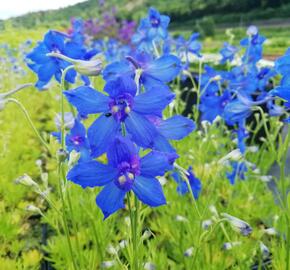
[(228, 52), (243, 79), (160, 70), (120, 106), (209, 85), (213, 105), (125, 171), (192, 45), (238, 171), (253, 44), (174, 128), (236, 111), (155, 25), (182, 187), (77, 31), (46, 67), (76, 139), (142, 41)]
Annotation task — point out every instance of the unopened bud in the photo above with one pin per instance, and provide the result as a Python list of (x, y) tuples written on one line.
[(188, 252), (230, 245), (73, 158), (68, 118), (62, 155), (88, 68), (238, 225), (32, 208), (26, 180)]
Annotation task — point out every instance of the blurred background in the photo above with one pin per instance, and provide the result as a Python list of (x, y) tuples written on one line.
[(210, 18)]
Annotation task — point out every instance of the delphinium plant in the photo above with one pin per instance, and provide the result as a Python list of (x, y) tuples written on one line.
[(121, 136)]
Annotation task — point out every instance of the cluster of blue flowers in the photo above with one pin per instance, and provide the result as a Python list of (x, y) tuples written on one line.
[(136, 92), (129, 127)]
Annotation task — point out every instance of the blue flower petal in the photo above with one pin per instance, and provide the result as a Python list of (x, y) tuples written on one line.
[(120, 86), (110, 199), (142, 130), (117, 69), (121, 150), (91, 174), (176, 127), (101, 133), (162, 144), (156, 163), (165, 68), (87, 100), (45, 72), (149, 191), (153, 101)]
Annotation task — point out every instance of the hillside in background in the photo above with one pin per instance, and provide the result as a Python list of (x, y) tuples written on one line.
[(182, 12)]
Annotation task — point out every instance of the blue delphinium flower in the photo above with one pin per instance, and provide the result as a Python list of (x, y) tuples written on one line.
[(155, 24), (46, 67), (161, 70), (236, 111), (228, 53), (120, 106), (76, 139), (213, 105), (253, 44), (182, 187), (282, 66), (192, 45), (125, 171)]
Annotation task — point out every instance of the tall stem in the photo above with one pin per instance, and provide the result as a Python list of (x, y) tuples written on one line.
[(134, 231), (284, 196), (27, 116)]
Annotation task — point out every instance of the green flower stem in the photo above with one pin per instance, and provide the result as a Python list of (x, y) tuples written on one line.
[(134, 231), (17, 89), (65, 71), (64, 215), (63, 180), (283, 180), (27, 116)]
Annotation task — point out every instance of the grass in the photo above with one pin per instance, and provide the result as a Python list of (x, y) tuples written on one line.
[(28, 239)]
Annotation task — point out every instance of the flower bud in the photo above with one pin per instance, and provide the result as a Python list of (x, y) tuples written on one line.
[(230, 245), (188, 252), (264, 250), (26, 180), (88, 68), (181, 218), (32, 208), (238, 225), (73, 158), (270, 231), (206, 224), (149, 266), (123, 244), (108, 264), (62, 155), (69, 120)]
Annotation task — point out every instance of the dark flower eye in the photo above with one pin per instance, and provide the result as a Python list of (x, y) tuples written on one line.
[(108, 114)]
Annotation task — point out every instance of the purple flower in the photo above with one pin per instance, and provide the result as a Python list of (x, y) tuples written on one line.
[(120, 107), (125, 171)]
